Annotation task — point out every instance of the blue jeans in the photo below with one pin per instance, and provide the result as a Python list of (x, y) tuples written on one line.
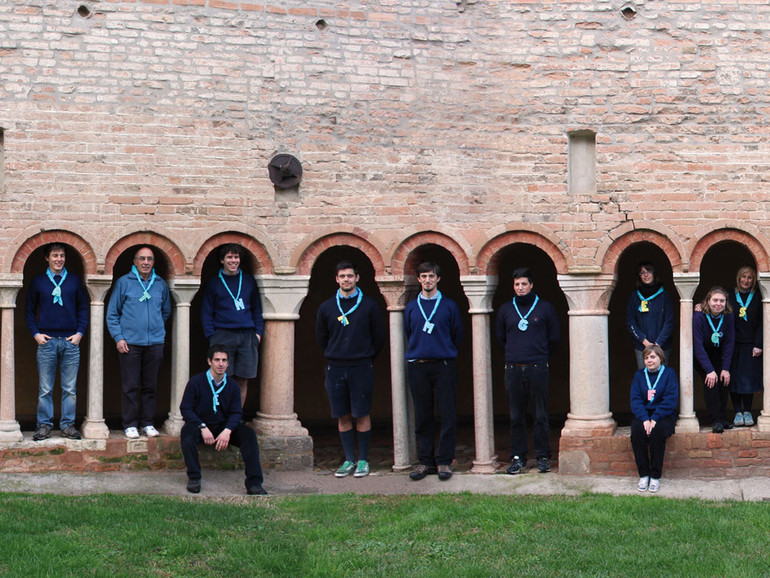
[(66, 354)]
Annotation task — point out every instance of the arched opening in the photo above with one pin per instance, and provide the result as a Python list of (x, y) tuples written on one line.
[(621, 345)]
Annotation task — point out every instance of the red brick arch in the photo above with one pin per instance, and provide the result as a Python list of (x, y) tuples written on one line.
[(736, 235), (407, 247), (612, 256), (76, 242), (309, 255), (488, 262), (264, 264), (166, 246)]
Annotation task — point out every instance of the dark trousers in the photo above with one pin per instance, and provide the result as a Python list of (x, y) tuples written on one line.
[(716, 401), (649, 450), (434, 382), (528, 385), (242, 437), (139, 368)]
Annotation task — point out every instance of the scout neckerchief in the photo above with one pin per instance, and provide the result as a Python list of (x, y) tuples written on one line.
[(643, 305), (215, 392), (715, 335), (344, 317), (57, 287), (146, 290), (236, 298), (742, 312), (651, 387), (523, 323), (428, 327)]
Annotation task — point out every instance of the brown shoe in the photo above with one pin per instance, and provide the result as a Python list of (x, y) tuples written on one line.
[(420, 471), (444, 473)]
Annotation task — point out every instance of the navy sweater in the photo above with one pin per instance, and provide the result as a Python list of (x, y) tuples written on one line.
[(655, 325), (359, 341), (444, 341), (43, 316), (539, 340), (666, 395), (749, 328), (197, 403), (709, 356), (218, 309)]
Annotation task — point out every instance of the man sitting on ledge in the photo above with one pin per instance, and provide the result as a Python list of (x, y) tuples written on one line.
[(211, 408)]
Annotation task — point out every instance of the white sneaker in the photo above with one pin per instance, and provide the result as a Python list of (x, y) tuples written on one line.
[(132, 433), (643, 484), (150, 431), (654, 485)]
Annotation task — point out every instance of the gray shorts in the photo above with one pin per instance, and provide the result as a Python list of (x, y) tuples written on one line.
[(241, 346)]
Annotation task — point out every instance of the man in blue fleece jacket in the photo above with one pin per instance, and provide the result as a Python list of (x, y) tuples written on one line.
[(434, 332), (139, 306)]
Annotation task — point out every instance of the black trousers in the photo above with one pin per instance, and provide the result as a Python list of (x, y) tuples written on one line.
[(434, 382), (242, 437), (528, 385), (716, 401), (139, 368), (650, 450)]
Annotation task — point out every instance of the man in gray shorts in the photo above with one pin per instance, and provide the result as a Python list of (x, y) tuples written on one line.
[(232, 316)]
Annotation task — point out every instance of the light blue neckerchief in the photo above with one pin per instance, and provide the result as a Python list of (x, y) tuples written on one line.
[(215, 392), (644, 302), (57, 288), (435, 308), (716, 334), (343, 318), (657, 379), (146, 290), (236, 299), (743, 313)]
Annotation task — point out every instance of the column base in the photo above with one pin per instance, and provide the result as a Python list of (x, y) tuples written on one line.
[(763, 422), (278, 425), (689, 424), (10, 431), (283, 442), (589, 426), (485, 467), (173, 425), (95, 429)]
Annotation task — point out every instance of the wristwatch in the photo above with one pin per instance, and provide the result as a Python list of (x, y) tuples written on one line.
[(202, 426)]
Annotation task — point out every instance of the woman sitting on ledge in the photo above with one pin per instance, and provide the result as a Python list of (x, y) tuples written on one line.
[(654, 395)]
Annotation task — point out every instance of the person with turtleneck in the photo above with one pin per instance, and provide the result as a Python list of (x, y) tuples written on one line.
[(649, 314), (746, 366), (528, 330)]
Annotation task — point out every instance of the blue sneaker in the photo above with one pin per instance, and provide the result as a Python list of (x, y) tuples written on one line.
[(345, 470), (738, 421), (748, 420)]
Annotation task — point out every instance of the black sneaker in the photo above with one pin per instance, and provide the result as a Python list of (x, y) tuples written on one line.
[(718, 428), (517, 464), (543, 465), (71, 432), (43, 432), (444, 473), (728, 425), (420, 471), (193, 486), (257, 490)]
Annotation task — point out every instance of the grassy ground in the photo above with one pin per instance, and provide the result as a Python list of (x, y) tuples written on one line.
[(459, 535)]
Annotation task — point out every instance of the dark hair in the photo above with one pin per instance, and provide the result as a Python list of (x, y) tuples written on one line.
[(230, 248), (657, 350), (704, 306), (51, 246), (651, 268), (216, 348), (429, 267), (345, 265), (520, 272)]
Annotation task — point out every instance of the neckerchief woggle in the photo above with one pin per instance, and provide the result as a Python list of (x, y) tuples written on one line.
[(428, 326), (57, 288), (236, 299), (742, 313), (146, 290), (651, 387), (523, 323), (215, 392), (343, 318), (643, 305), (716, 334)]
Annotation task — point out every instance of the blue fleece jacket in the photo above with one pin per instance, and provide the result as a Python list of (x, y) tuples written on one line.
[(444, 341), (44, 316), (218, 309), (138, 322), (665, 398)]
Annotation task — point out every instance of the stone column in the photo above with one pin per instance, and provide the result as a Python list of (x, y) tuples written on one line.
[(403, 434), (94, 426), (10, 431), (763, 421), (283, 440), (183, 289), (479, 290), (589, 387), (686, 284)]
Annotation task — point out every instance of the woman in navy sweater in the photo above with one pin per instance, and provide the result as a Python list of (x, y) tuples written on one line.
[(649, 313), (654, 395)]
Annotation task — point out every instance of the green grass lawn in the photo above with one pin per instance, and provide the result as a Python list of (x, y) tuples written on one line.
[(442, 535)]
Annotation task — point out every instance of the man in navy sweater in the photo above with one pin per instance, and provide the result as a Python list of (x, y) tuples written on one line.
[(57, 317), (528, 330), (349, 328), (232, 316), (434, 332), (211, 408)]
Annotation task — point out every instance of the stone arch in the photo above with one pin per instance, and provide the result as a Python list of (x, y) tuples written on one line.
[(707, 241), (258, 252), (75, 241), (611, 258), (407, 247), (488, 261), (309, 255), (175, 257)]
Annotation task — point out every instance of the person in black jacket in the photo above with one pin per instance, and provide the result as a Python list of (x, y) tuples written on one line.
[(350, 331), (649, 314)]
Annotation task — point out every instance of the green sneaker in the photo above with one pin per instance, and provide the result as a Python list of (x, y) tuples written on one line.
[(362, 469), (345, 469)]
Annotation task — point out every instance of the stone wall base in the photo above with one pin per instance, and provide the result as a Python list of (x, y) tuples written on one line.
[(737, 453)]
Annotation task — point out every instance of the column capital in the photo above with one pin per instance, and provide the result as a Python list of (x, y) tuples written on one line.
[(587, 294), (686, 284), (282, 295), (9, 288), (393, 290), (764, 282), (98, 286), (184, 289), (479, 289)]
